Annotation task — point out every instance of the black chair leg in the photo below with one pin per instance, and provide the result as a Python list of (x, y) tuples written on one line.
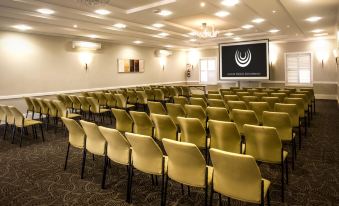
[(130, 184), (68, 146), (282, 181), (21, 135), (6, 125), (83, 163), (220, 200), (206, 194), (162, 189), (13, 133), (104, 173), (268, 198), (211, 197), (165, 192), (42, 133)]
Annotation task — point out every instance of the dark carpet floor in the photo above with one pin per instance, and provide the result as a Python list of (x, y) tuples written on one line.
[(34, 175)]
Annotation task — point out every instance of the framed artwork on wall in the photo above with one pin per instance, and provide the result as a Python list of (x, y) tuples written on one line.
[(130, 65)]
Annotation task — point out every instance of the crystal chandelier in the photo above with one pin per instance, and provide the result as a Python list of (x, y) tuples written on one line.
[(207, 32), (94, 2)]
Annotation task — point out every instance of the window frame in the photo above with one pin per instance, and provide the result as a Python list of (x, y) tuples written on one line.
[(216, 70), (286, 69)]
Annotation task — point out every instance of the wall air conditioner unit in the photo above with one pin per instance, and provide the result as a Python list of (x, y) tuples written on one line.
[(162, 53), (86, 45)]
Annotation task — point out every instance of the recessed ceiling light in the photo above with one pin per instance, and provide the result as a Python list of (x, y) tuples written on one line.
[(163, 34), (157, 25), (230, 2), (193, 40), (247, 26), (229, 34), (168, 46), (274, 30), (274, 11), (258, 20), (102, 11), (92, 36), (237, 38), (138, 42), (45, 11), (313, 18), (22, 27), (202, 4), (321, 34), (75, 26), (119, 25), (222, 13), (164, 13), (317, 30), (193, 33)]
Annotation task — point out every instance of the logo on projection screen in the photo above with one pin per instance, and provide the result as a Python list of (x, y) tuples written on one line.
[(243, 61)]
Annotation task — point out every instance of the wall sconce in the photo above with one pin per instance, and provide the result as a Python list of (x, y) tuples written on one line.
[(193, 57), (322, 51), (273, 52), (86, 58), (336, 56), (162, 54), (163, 62)]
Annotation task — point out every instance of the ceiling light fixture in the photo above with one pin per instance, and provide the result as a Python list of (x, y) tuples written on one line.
[(45, 11), (247, 26), (258, 20), (237, 38), (157, 25), (202, 4), (94, 2), (193, 40), (274, 30), (163, 12), (22, 27), (317, 30), (138, 42), (168, 46), (221, 13), (193, 33), (207, 31), (75, 26), (163, 34), (230, 2), (92, 36), (229, 34), (119, 25), (313, 19), (321, 34), (102, 11)]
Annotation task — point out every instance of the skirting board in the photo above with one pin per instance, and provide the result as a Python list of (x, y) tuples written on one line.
[(326, 96)]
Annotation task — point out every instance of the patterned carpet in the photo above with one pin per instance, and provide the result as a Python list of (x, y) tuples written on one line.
[(34, 175)]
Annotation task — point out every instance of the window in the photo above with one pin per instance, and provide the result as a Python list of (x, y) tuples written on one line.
[(208, 70), (298, 68)]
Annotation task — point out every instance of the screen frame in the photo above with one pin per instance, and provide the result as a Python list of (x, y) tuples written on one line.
[(267, 77)]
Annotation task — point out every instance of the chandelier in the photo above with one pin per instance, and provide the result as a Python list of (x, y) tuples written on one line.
[(207, 32), (94, 2)]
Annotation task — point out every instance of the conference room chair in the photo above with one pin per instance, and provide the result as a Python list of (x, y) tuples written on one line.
[(165, 90), (61, 97), (242, 117), (292, 90), (43, 109), (68, 102), (118, 150), (76, 103), (251, 91), (122, 102), (132, 97), (142, 99), (263, 143), (37, 108), (150, 94), (180, 93), (311, 90), (123, 121), (122, 91), (95, 143), (307, 103), (175, 111), (63, 112), (241, 94), (260, 95), (299, 102), (248, 99), (142, 123), (286, 91), (187, 166), (308, 99), (268, 91), (96, 110), (186, 91), (111, 101), (100, 96), (281, 96), (202, 96), (156, 108), (271, 101), (282, 123), (147, 157), (236, 105), (216, 103), (259, 108), (76, 136), (199, 101), (21, 123), (214, 96), (9, 119), (231, 97), (235, 88), (238, 177), (52, 113), (226, 92), (274, 89), (180, 100), (139, 89), (85, 94), (196, 111), (225, 136), (218, 113), (164, 127), (3, 119), (30, 107), (213, 92), (173, 92), (85, 106), (159, 96)]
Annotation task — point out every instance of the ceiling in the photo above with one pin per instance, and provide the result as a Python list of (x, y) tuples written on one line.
[(288, 16)]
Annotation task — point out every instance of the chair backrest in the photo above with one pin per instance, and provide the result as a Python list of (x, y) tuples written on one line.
[(95, 142), (156, 108), (132, 97), (241, 94), (2, 114), (260, 95), (203, 96), (225, 136), (280, 95), (192, 131), (158, 95), (95, 107), (231, 97), (174, 111), (36, 105), (173, 92), (68, 102), (299, 102), (52, 109), (164, 127), (111, 101), (18, 116), (101, 98), (271, 101), (62, 110), (76, 102), (281, 121), (121, 101), (237, 176), (142, 123), (198, 101), (236, 105), (180, 100), (248, 99), (216, 103), (123, 121), (150, 94), (118, 147), (196, 111), (141, 97), (9, 115), (84, 103), (147, 155), (259, 108), (241, 117), (212, 92), (291, 109), (302, 96), (186, 164), (76, 134), (29, 104), (214, 96), (218, 113), (43, 106), (263, 143), (186, 91)]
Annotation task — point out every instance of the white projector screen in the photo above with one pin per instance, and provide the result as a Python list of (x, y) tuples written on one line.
[(244, 60)]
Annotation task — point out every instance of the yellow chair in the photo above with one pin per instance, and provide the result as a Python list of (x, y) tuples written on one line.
[(306, 105), (100, 96), (63, 112), (271, 101), (196, 111), (241, 94), (132, 97), (212, 92), (236, 105), (186, 91), (180, 100), (30, 107), (214, 96), (76, 136), (96, 144), (68, 102), (198, 101), (173, 92), (43, 108), (242, 117), (85, 106), (299, 102), (148, 158), (111, 101), (259, 108), (156, 108), (164, 127), (311, 90), (252, 91), (179, 90), (95, 110), (231, 97), (238, 177), (225, 92), (142, 99), (76, 103), (159, 96), (142, 123), (248, 99), (37, 108), (264, 144), (118, 150), (216, 103), (280, 95), (122, 102), (21, 123), (225, 136), (282, 122), (187, 166), (218, 113), (150, 94), (260, 95), (175, 111), (165, 90), (9, 118), (123, 121)]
